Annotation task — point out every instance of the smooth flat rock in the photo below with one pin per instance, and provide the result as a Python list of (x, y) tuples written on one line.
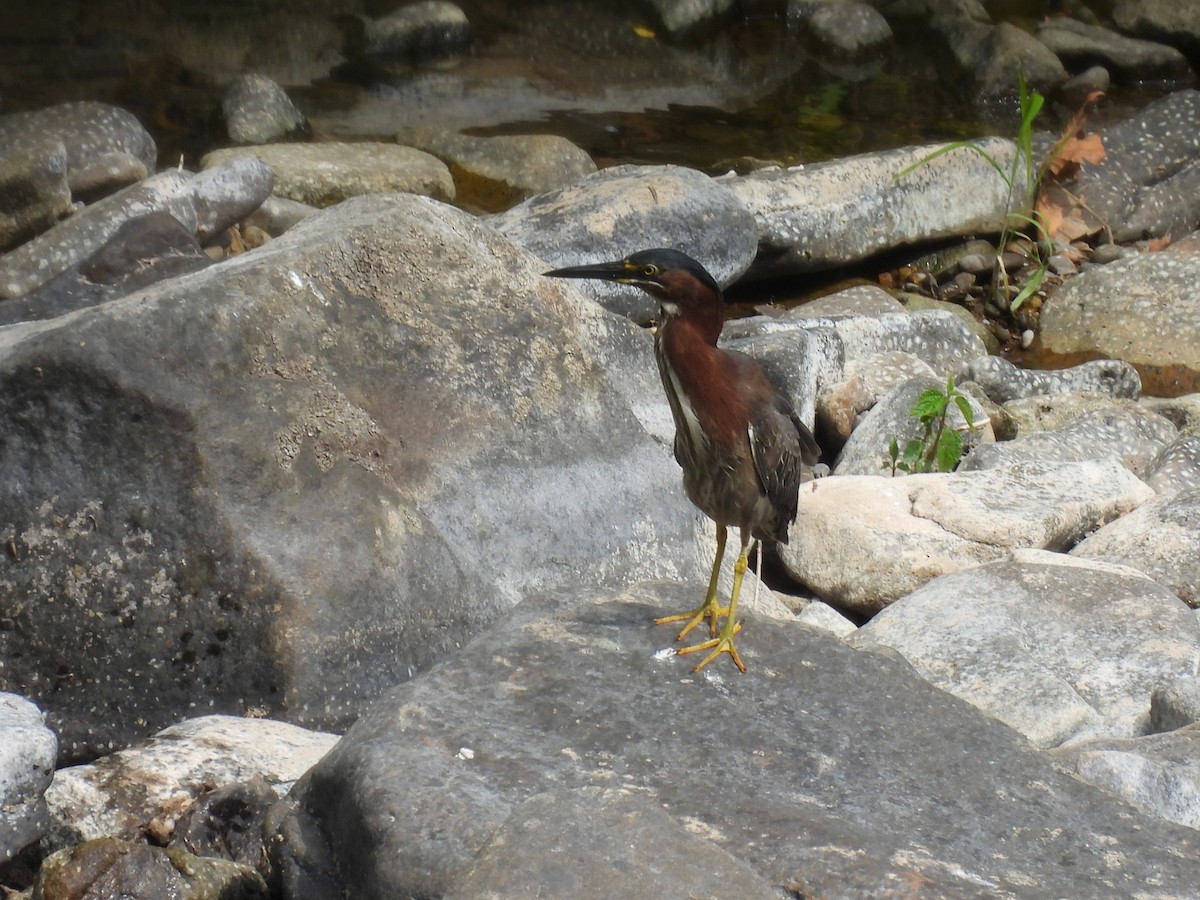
[(785, 769), (1058, 648)]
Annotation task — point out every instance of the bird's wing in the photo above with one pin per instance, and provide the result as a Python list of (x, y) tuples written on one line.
[(780, 444)]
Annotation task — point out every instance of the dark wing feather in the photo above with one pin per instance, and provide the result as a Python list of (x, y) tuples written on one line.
[(780, 445)]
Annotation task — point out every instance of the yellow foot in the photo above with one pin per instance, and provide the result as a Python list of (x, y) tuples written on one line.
[(719, 645), (710, 611)]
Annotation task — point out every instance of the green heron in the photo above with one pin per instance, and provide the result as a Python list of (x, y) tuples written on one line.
[(738, 440)]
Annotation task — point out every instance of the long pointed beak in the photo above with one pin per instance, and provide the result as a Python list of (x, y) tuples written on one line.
[(606, 271)]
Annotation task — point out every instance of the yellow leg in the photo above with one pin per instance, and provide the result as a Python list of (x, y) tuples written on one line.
[(723, 643), (711, 610)]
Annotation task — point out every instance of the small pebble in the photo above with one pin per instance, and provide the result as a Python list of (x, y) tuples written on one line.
[(976, 263), (1061, 265), (1107, 253)]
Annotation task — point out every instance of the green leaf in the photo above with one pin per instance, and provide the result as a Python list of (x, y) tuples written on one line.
[(1030, 288), (964, 407), (949, 450), (931, 403), (912, 455), (950, 148)]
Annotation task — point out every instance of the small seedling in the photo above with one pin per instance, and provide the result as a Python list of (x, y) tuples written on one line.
[(1015, 222), (940, 448)]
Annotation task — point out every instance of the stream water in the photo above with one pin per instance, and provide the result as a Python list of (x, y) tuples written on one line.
[(747, 89)]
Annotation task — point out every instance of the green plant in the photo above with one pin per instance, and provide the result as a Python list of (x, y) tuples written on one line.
[(1015, 222), (940, 448)]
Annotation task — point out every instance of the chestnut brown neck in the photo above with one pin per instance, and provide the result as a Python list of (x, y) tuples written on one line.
[(686, 300)]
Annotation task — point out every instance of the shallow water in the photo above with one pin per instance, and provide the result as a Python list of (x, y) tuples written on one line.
[(749, 89)]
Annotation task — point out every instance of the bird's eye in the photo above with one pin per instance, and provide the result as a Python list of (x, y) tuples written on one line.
[(650, 269)]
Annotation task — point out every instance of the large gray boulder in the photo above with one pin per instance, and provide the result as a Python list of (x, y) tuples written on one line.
[(97, 137), (834, 213), (825, 771), (620, 210), (297, 478), (203, 204), (862, 541), (1056, 647), (1141, 309), (1148, 184)]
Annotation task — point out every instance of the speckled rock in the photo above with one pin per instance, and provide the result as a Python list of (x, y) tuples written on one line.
[(327, 173), (1148, 184), (1057, 648), (840, 407), (938, 338), (1159, 774), (1049, 412), (493, 173), (27, 755), (859, 300), (144, 250), (853, 359), (1160, 538), (147, 787), (829, 214), (1182, 411), (1141, 309), (422, 30), (1177, 466), (623, 209), (1132, 435), (34, 193), (1079, 44), (259, 111), (204, 204), (73, 240), (1004, 382), (91, 134), (861, 542)]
